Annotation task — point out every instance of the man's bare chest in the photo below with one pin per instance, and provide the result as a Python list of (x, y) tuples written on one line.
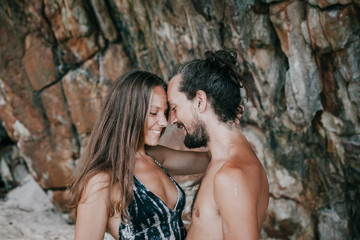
[(204, 205)]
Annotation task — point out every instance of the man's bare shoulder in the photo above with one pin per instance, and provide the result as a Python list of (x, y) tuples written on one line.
[(245, 174), (240, 166), (230, 172)]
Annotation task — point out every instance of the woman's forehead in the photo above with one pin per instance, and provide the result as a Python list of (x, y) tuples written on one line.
[(158, 98)]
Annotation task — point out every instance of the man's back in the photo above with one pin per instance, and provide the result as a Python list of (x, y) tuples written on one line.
[(233, 197)]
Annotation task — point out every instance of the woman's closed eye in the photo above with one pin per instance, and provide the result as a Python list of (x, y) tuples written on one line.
[(156, 113)]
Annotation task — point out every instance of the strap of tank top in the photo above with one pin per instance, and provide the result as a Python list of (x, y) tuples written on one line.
[(160, 165)]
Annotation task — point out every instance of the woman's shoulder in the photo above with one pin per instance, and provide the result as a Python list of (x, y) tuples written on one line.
[(97, 185), (99, 179)]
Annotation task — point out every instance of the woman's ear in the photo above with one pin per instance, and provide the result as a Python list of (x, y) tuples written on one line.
[(201, 100)]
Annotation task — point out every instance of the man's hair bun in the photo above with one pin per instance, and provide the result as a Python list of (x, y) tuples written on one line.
[(222, 58)]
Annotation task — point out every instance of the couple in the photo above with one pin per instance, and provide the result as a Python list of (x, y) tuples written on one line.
[(123, 183)]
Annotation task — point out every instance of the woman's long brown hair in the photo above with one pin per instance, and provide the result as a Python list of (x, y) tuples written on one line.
[(118, 134)]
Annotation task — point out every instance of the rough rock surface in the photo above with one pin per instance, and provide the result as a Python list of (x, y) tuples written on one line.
[(59, 57)]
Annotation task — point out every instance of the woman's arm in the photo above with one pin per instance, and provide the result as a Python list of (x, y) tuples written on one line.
[(92, 211), (178, 162)]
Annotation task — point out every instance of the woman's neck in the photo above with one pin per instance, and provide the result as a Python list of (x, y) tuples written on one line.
[(141, 154)]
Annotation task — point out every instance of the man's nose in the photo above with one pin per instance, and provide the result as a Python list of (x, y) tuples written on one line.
[(173, 118)]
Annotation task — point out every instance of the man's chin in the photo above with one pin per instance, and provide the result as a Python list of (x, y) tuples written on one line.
[(189, 146), (189, 143)]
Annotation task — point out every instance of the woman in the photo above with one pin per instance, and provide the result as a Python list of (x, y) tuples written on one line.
[(121, 185)]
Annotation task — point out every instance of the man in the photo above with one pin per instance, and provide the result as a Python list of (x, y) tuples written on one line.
[(205, 100)]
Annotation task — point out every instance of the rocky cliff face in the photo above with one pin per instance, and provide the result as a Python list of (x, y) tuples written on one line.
[(58, 58)]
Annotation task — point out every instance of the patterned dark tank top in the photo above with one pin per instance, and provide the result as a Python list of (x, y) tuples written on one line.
[(151, 218)]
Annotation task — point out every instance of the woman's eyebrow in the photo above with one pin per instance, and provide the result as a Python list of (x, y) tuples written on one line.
[(158, 107)]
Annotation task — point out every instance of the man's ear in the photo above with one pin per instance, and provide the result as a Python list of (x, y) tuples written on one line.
[(240, 110), (201, 100)]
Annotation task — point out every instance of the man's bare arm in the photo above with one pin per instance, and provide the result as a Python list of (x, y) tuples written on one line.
[(236, 194)]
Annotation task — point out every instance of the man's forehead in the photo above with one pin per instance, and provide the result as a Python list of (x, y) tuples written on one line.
[(173, 88), (174, 82)]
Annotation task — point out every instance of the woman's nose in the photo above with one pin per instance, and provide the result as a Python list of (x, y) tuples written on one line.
[(162, 121)]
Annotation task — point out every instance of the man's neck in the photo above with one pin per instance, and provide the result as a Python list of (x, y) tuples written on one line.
[(223, 138)]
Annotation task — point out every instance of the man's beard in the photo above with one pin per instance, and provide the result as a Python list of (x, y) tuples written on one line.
[(199, 138)]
